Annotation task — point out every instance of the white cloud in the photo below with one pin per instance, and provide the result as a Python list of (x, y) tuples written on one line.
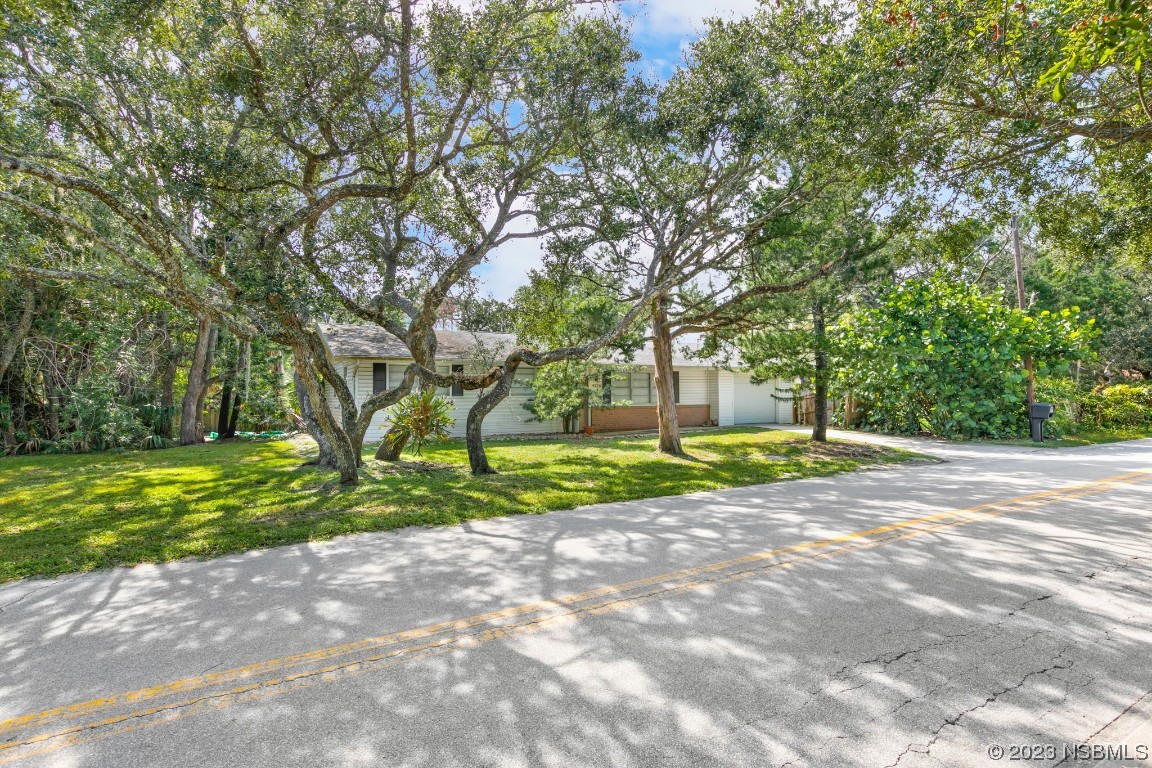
[(685, 16), (506, 268), (680, 17)]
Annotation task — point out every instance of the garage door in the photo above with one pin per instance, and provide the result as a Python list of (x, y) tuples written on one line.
[(754, 402)]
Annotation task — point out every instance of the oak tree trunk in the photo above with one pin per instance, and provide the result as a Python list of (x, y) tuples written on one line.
[(206, 383), (191, 431), (424, 353), (477, 458), (391, 446), (230, 430), (820, 377), (170, 362), (225, 410), (343, 452), (53, 382), (327, 457), (664, 381), (19, 333)]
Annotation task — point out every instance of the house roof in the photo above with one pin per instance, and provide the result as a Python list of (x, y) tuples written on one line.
[(372, 341), (647, 356), (361, 340)]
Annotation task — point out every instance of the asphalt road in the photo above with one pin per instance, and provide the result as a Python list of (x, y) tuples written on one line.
[(924, 615)]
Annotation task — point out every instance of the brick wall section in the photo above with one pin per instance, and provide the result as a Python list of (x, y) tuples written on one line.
[(644, 417)]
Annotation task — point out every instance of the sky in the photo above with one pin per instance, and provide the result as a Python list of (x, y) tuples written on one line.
[(661, 30)]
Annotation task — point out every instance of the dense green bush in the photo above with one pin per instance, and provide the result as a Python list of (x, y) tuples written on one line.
[(1117, 406), (938, 356), (1065, 393), (94, 417)]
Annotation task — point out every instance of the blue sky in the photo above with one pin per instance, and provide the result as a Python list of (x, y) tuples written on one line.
[(661, 29)]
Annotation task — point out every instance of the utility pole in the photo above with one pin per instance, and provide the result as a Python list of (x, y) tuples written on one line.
[(1020, 302)]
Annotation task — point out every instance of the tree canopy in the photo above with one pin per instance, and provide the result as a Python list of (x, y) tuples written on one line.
[(232, 175)]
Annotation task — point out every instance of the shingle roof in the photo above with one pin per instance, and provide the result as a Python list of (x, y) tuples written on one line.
[(372, 341), (361, 340), (647, 356)]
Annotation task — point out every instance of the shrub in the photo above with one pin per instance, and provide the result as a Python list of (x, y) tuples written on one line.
[(94, 418), (1065, 393), (420, 418), (937, 356), (1120, 405)]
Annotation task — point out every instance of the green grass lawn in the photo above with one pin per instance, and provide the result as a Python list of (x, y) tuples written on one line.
[(76, 513), (1085, 437)]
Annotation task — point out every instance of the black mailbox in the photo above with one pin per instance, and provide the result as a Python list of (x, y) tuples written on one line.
[(1038, 413)]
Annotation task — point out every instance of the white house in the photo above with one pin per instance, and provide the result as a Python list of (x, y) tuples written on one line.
[(371, 359)]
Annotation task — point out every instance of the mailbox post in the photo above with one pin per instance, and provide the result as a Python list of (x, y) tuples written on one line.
[(1038, 413)]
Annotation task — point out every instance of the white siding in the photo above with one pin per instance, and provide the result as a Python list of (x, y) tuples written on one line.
[(693, 386), (345, 369), (510, 417), (363, 381), (754, 402), (712, 387), (698, 386), (726, 394), (784, 405)]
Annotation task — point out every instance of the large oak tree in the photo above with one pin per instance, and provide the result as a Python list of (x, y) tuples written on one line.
[(259, 165)]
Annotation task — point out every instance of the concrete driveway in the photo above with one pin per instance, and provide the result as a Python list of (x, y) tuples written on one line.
[(997, 605)]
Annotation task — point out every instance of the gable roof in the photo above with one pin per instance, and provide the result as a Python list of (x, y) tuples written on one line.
[(371, 341), (363, 340)]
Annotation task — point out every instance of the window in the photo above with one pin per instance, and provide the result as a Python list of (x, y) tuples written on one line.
[(457, 389), (443, 370), (379, 377), (522, 385), (635, 388), (396, 374), (640, 388)]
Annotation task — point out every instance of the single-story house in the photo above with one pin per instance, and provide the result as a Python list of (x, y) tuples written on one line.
[(370, 359)]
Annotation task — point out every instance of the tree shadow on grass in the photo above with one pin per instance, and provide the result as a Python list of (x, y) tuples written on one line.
[(1032, 628), (83, 513)]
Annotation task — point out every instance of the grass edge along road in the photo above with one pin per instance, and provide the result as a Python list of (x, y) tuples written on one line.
[(119, 713), (68, 513), (1084, 437)]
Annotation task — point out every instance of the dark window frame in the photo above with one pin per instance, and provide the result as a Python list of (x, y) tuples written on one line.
[(457, 388), (377, 379)]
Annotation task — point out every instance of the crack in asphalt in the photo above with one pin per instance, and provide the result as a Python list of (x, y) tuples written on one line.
[(929, 657), (888, 658), (858, 676), (1108, 724), (24, 596), (1023, 642), (1024, 606), (951, 721)]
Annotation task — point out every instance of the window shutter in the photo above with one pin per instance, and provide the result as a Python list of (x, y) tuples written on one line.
[(457, 389), (676, 384)]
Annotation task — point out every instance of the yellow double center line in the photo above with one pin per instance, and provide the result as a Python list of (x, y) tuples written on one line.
[(53, 729)]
